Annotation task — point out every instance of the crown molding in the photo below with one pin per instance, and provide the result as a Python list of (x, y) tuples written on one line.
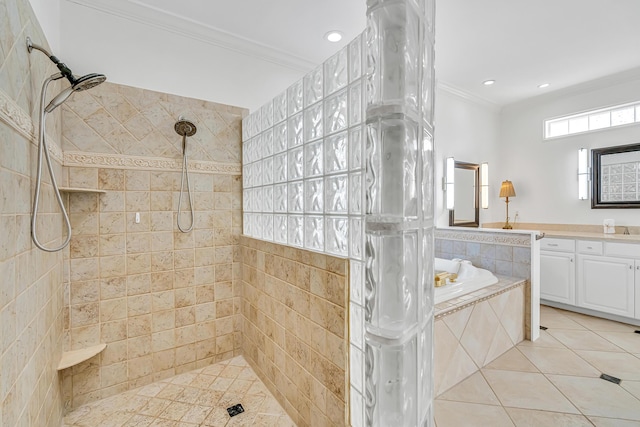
[(454, 90), (155, 17), (605, 82)]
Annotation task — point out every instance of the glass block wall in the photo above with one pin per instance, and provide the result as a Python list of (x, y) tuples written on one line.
[(303, 161), (304, 185), (398, 305)]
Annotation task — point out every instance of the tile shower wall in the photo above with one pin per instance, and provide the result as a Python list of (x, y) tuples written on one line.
[(163, 301), (31, 290), (295, 329)]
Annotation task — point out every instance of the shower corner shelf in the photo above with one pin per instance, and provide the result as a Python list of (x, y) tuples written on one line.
[(80, 190), (75, 357)]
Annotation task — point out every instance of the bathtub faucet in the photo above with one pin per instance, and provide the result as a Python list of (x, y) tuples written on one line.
[(441, 278)]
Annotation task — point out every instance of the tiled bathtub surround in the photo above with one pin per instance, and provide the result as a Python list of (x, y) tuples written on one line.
[(472, 332), (164, 302), (295, 329), (498, 253), (506, 254), (31, 291)]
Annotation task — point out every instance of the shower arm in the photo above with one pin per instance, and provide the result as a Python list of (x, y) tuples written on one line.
[(64, 70)]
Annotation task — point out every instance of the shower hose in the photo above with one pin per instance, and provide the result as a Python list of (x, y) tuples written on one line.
[(42, 149), (185, 173)]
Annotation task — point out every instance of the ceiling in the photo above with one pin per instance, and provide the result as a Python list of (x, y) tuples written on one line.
[(520, 44)]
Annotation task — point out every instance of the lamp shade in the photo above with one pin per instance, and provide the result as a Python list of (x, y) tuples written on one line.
[(507, 190)]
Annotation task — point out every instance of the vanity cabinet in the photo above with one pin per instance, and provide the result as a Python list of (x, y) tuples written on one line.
[(606, 284), (558, 271), (599, 276)]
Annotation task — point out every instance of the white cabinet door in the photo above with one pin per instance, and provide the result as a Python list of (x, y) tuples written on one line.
[(637, 289), (557, 277), (606, 284)]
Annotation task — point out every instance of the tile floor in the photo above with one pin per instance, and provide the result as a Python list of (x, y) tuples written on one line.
[(196, 398), (555, 380)]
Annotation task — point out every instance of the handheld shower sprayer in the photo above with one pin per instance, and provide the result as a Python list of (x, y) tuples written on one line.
[(77, 84)]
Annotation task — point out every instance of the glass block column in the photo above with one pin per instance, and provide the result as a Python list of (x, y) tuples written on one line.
[(398, 273)]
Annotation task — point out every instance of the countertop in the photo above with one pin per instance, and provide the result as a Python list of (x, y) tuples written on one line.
[(623, 238), (577, 231)]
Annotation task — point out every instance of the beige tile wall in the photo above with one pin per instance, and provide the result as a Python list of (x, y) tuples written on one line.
[(470, 338), (118, 119), (295, 328), (165, 302), (31, 291)]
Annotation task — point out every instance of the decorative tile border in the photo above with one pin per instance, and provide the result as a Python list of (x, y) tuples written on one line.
[(21, 122), (119, 161), (505, 285), (485, 237)]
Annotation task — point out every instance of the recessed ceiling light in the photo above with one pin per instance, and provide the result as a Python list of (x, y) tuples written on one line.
[(543, 85), (333, 36), (488, 82)]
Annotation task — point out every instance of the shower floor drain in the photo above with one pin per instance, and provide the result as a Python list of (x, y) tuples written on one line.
[(235, 410), (610, 378)]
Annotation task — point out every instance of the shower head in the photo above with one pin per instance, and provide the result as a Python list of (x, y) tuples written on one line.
[(78, 85), (184, 127)]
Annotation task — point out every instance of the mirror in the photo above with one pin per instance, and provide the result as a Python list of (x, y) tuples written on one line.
[(466, 211), (616, 177)]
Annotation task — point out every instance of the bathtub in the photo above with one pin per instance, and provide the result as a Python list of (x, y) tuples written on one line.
[(470, 279)]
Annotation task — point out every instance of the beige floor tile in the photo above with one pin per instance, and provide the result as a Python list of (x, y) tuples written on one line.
[(613, 422), (139, 421), (597, 397), (457, 414), (632, 387), (545, 340), (196, 414), (527, 390), (559, 321), (472, 390), (532, 418), (599, 324), (187, 400), (629, 341), (513, 360), (559, 361), (583, 340), (621, 365), (266, 420)]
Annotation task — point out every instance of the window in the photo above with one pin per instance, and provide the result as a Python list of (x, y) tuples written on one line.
[(603, 118)]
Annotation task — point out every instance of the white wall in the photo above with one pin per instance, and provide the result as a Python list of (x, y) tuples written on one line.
[(148, 57), (48, 14), (544, 173), (468, 130)]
